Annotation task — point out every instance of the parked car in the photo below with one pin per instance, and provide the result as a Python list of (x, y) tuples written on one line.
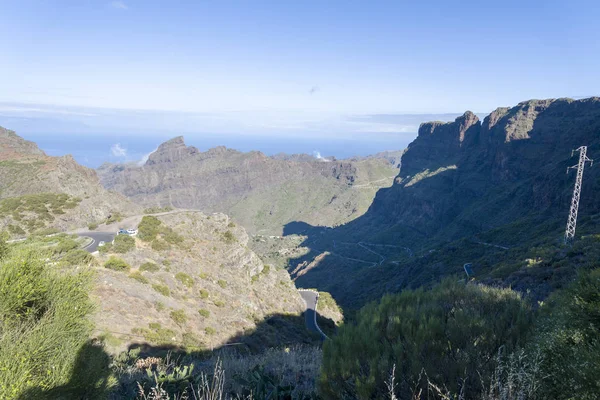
[(122, 232), (101, 244), (132, 232)]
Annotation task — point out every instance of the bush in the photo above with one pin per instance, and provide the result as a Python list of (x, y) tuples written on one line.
[(185, 279), (568, 335), (117, 264), (160, 245), (148, 228), (229, 237), (149, 266), (44, 329), (222, 283), (179, 317), (452, 333), (162, 289), (219, 303), (92, 226), (210, 330), (139, 277), (78, 257), (171, 237), (156, 210), (204, 312), (123, 244), (203, 294)]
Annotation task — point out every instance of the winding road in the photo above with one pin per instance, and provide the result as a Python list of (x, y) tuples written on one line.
[(97, 237), (311, 298)]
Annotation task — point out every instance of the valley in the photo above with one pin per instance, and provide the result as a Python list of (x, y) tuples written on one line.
[(254, 258)]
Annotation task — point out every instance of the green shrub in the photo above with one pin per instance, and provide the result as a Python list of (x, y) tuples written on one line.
[(114, 217), (231, 225), (117, 264), (44, 329), (92, 226), (78, 257), (185, 279), (191, 341), (204, 312), (171, 237), (210, 330), (148, 228), (162, 289), (219, 303), (123, 244), (139, 277), (159, 305), (160, 245), (452, 333), (229, 237), (222, 283), (203, 293), (568, 334), (149, 266), (106, 248), (65, 244), (179, 317), (156, 334), (166, 263)]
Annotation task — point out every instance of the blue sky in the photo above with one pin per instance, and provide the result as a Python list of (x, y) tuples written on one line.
[(285, 68)]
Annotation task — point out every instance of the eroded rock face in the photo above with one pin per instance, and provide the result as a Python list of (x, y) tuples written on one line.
[(260, 192), (465, 176)]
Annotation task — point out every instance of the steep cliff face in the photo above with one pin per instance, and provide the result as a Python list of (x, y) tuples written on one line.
[(486, 192), (25, 170), (464, 177), (262, 193)]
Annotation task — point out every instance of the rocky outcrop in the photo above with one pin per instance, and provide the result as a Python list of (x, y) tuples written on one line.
[(26, 170)]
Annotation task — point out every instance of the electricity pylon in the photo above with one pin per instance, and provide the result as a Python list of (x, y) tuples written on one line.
[(572, 221)]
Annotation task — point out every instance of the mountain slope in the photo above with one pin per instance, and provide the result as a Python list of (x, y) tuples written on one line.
[(261, 193), (37, 190), (468, 191)]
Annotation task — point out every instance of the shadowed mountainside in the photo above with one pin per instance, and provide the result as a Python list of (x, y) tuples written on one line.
[(466, 191)]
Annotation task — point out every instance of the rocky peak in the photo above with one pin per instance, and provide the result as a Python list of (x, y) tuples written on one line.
[(171, 151), (12, 144)]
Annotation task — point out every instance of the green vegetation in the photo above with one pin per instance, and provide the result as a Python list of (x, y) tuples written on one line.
[(150, 267), (78, 257), (185, 279), (92, 226), (203, 294), (123, 244), (117, 264), (44, 329), (162, 289), (35, 211), (210, 330), (152, 230), (139, 277), (568, 336), (114, 217), (156, 210), (219, 303), (204, 312), (179, 317), (156, 334), (159, 245), (222, 283), (449, 333), (229, 237)]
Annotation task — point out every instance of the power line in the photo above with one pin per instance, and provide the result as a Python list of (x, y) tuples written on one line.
[(572, 221)]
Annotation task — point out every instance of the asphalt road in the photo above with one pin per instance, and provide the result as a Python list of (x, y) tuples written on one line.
[(310, 315), (97, 237)]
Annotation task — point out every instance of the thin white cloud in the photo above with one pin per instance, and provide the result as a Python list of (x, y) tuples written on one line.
[(318, 156), (145, 157), (313, 90), (118, 151), (119, 5)]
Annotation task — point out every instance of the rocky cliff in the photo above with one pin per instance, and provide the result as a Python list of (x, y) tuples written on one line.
[(486, 192), (262, 193), (26, 171)]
